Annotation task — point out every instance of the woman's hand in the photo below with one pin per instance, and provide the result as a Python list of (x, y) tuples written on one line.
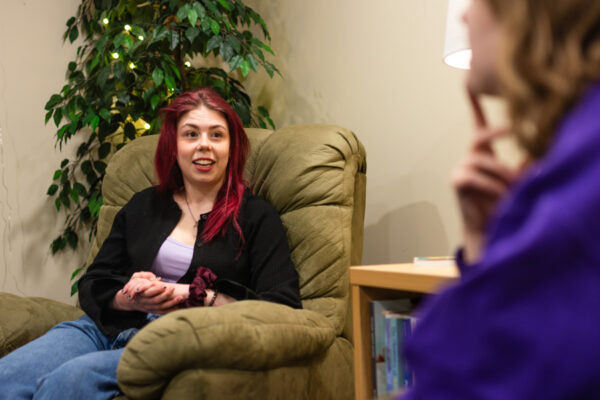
[(480, 181), (146, 293)]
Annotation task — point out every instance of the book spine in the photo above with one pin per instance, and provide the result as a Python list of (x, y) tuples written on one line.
[(373, 348), (388, 356), (408, 324)]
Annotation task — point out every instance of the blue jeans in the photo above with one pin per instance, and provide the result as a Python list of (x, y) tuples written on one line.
[(73, 360)]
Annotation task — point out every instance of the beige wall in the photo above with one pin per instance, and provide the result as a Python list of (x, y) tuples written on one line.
[(376, 67), (33, 62), (372, 66)]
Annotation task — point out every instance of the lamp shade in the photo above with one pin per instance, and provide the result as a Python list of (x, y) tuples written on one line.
[(457, 52)]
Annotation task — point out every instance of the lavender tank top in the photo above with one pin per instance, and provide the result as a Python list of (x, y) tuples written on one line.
[(173, 260)]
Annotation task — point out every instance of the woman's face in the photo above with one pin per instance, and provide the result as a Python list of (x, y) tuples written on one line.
[(484, 36), (203, 148)]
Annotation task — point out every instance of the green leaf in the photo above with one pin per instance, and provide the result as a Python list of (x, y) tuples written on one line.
[(119, 70), (154, 101), (182, 13), (215, 27), (213, 43), (48, 116), (86, 167), (74, 195), (191, 33), (94, 62), (64, 163), (224, 4), (138, 31), (77, 271), (105, 114), (72, 66), (119, 39), (226, 51), (100, 166), (103, 76), (73, 34), (57, 205), (57, 174), (245, 68), (173, 39), (71, 21), (72, 239), (104, 150), (199, 9), (79, 188), (129, 131), (54, 100), (192, 16), (170, 82), (61, 132), (160, 33), (157, 76), (94, 122), (52, 189), (58, 116), (74, 286), (235, 62), (252, 61)]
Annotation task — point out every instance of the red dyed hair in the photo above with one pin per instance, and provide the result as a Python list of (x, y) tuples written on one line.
[(229, 198)]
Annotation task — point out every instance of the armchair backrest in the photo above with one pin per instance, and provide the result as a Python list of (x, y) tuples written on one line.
[(314, 175)]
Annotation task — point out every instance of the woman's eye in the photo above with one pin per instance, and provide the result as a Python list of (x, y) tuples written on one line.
[(217, 134), (190, 134)]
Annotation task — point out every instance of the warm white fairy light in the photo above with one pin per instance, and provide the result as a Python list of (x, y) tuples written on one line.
[(187, 64), (127, 27), (146, 126), (131, 65), (105, 21), (115, 55), (141, 37)]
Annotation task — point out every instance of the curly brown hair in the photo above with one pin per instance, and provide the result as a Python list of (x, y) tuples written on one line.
[(550, 54)]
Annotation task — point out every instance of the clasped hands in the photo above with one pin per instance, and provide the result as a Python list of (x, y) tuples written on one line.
[(146, 292)]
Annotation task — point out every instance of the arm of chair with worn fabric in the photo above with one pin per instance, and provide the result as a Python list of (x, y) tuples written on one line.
[(26, 318), (247, 335)]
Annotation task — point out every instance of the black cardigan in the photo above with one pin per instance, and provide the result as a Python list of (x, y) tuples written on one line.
[(261, 270)]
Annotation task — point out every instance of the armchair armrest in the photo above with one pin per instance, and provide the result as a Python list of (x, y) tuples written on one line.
[(247, 335), (26, 318)]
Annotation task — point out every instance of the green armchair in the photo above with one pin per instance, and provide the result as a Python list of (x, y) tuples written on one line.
[(315, 176)]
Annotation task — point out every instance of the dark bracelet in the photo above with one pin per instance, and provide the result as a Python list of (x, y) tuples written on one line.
[(214, 298)]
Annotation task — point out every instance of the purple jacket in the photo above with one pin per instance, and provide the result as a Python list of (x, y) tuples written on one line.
[(524, 322)]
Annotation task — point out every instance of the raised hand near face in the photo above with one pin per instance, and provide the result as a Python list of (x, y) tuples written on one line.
[(480, 180)]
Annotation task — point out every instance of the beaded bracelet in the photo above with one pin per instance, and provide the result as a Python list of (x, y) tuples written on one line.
[(214, 298)]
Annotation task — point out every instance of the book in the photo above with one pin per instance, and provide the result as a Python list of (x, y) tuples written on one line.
[(378, 310), (434, 261)]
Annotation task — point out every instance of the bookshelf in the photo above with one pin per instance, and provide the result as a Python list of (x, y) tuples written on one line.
[(381, 282)]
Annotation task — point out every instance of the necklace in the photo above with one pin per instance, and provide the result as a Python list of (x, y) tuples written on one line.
[(190, 210)]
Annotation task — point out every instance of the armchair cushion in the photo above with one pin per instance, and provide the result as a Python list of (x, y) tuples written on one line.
[(248, 335), (26, 318)]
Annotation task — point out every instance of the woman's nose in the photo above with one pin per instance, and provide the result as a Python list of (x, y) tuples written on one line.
[(203, 142)]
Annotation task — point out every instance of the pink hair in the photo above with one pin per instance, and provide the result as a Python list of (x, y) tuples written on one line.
[(229, 198)]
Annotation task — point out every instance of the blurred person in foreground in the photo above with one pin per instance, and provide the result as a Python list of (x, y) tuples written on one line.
[(522, 320)]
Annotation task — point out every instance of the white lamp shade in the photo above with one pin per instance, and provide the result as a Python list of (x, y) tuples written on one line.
[(457, 52)]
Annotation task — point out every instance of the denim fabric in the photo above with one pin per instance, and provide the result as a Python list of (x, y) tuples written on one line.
[(73, 360)]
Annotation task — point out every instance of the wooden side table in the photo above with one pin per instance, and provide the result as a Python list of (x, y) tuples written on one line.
[(380, 282)]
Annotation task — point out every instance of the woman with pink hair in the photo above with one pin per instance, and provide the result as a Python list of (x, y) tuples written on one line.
[(198, 238)]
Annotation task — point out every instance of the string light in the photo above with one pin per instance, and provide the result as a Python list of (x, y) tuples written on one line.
[(187, 64), (141, 37), (105, 21), (127, 27), (115, 55), (131, 65), (146, 126)]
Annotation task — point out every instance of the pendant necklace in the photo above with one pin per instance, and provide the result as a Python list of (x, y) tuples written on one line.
[(190, 210)]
